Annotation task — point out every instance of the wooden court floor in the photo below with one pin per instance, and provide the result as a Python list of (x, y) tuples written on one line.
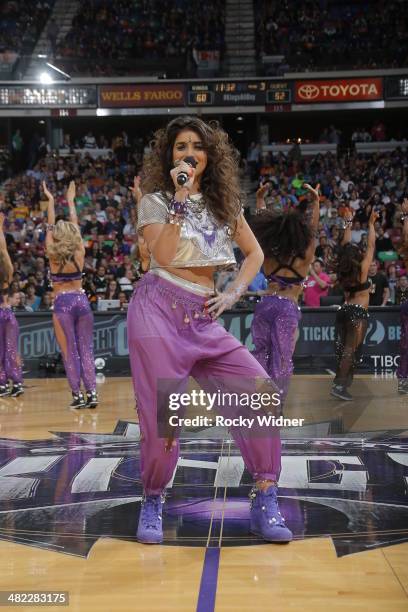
[(43, 550)]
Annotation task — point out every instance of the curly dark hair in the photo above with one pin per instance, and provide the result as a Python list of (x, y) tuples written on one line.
[(219, 183), (348, 264), (284, 235)]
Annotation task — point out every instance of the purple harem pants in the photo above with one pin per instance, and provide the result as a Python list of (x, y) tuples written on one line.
[(402, 371), (73, 323), (10, 364), (273, 332), (171, 337)]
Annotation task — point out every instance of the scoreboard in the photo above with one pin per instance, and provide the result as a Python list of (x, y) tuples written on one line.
[(240, 93), (396, 88)]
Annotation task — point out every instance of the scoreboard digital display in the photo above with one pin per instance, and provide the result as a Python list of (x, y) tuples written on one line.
[(57, 96), (396, 88), (279, 93), (239, 93)]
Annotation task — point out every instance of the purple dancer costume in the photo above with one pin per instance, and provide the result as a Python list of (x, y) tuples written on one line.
[(274, 328), (73, 313), (73, 318), (10, 366), (171, 336)]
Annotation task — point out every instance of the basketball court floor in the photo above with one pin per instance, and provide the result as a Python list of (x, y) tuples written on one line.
[(70, 494)]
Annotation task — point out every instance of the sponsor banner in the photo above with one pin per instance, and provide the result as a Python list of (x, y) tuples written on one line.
[(76, 96), (315, 337), (149, 95), (338, 90)]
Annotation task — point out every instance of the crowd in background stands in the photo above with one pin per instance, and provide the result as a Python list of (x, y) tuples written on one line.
[(103, 31), (107, 216), (21, 22), (333, 34), (358, 182)]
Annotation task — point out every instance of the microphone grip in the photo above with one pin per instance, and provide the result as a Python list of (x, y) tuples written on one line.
[(182, 178)]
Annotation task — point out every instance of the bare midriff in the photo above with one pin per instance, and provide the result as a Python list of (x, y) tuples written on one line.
[(361, 298), (203, 276), (75, 285)]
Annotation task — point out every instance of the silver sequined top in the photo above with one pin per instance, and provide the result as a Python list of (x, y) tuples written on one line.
[(203, 242)]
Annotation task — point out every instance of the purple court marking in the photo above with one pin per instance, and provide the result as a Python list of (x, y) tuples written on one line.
[(209, 577)]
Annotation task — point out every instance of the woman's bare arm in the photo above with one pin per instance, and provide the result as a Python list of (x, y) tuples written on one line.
[(71, 192), (4, 251)]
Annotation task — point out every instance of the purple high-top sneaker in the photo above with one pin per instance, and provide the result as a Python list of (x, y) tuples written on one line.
[(150, 528), (266, 520)]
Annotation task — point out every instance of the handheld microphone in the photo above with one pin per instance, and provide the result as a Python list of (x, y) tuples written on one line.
[(183, 177)]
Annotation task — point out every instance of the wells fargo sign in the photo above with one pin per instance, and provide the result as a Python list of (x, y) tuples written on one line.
[(338, 90), (125, 96)]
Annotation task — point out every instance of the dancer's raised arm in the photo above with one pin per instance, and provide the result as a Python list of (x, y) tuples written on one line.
[(71, 192)]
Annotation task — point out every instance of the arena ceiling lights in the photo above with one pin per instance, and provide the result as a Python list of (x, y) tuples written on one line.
[(52, 74)]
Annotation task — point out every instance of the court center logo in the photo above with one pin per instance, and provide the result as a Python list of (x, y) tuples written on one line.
[(65, 492)]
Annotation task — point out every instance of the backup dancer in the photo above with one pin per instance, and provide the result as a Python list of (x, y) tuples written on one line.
[(402, 371), (288, 242), (72, 316), (10, 362), (352, 316), (171, 328)]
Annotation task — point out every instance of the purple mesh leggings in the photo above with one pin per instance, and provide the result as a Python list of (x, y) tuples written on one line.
[(10, 365), (273, 332), (73, 324), (402, 371), (171, 337)]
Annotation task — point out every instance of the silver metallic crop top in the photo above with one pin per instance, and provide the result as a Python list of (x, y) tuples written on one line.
[(203, 241)]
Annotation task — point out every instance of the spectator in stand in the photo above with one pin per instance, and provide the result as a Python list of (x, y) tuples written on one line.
[(335, 288), (32, 299), (112, 292), (126, 282), (379, 290), (378, 131), (317, 285), (392, 280), (46, 302), (22, 303), (357, 233), (383, 242), (401, 294), (100, 282), (320, 249), (90, 141), (124, 302), (253, 160)]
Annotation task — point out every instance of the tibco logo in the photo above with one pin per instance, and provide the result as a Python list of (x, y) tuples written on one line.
[(385, 361)]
